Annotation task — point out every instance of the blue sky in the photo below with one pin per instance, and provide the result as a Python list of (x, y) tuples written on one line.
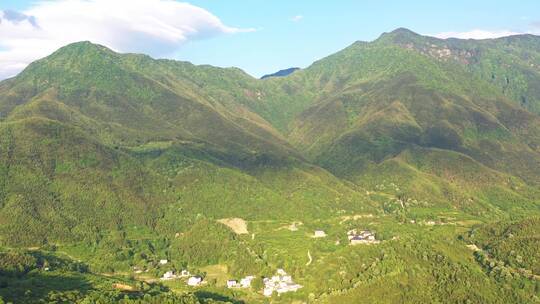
[(320, 28)]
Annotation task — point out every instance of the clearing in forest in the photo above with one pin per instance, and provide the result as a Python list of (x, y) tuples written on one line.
[(238, 225), (219, 272)]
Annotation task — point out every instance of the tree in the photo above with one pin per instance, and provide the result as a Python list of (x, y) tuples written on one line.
[(257, 283)]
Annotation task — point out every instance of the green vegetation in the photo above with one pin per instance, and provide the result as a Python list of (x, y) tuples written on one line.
[(110, 163), (37, 276), (514, 243)]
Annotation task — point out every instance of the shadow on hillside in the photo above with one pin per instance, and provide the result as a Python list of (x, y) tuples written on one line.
[(31, 287), (207, 295)]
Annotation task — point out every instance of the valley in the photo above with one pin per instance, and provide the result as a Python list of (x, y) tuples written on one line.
[(111, 163)]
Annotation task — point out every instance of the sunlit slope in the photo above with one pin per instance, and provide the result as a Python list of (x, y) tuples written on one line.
[(90, 144)]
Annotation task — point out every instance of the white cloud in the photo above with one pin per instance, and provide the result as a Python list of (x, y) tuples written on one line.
[(297, 18), (155, 27), (476, 34)]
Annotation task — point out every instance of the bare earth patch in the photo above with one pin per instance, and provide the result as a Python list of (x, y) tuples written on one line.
[(238, 225), (123, 287), (473, 247), (354, 217)]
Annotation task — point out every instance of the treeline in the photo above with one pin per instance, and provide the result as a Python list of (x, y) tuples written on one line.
[(20, 262), (515, 243), (114, 297)]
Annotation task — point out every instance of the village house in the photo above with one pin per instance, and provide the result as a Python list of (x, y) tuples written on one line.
[(288, 288), (163, 262), (169, 275), (280, 283), (319, 234), (194, 281), (246, 282), (362, 237), (184, 274)]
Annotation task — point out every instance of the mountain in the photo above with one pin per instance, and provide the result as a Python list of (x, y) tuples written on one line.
[(281, 73), (509, 63), (363, 112), (119, 161), (83, 117)]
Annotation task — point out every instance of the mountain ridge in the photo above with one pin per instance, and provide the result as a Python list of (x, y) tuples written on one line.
[(281, 73)]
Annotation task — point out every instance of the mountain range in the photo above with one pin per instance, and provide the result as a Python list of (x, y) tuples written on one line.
[(95, 143)]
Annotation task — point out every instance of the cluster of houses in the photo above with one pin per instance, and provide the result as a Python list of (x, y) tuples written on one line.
[(191, 281), (280, 283), (171, 275), (361, 237), (244, 283), (355, 236)]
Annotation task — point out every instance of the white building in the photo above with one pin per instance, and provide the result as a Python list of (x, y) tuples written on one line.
[(169, 275), (288, 288), (163, 262), (319, 234), (364, 237), (246, 282), (280, 283), (194, 281), (351, 234)]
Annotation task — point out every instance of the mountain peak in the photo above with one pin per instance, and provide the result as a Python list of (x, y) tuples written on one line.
[(402, 31), (72, 58), (75, 62), (83, 43), (399, 35), (83, 47)]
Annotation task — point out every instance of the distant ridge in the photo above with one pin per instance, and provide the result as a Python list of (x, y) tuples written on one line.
[(281, 73)]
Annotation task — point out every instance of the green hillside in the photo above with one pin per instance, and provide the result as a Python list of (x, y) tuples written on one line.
[(112, 162)]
